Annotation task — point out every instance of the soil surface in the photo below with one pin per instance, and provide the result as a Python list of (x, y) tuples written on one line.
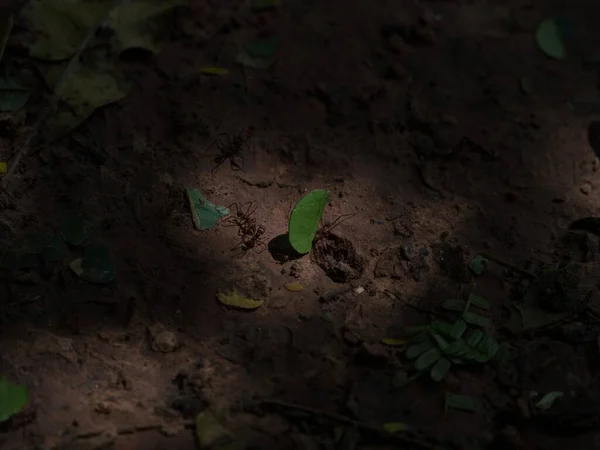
[(439, 128)]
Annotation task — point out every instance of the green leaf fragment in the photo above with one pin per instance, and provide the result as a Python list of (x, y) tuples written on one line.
[(440, 369), (462, 402), (263, 48), (305, 219), (549, 39), (427, 359), (418, 349), (395, 427), (13, 97), (480, 302), (454, 304), (204, 213), (548, 400), (478, 265), (475, 338), (13, 398), (458, 329), (477, 319), (77, 228), (96, 266)]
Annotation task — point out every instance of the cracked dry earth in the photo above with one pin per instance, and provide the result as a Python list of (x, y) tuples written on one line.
[(411, 115)]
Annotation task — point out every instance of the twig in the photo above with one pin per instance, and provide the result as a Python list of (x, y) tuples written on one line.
[(54, 99), (131, 430), (412, 305), (508, 265), (399, 437)]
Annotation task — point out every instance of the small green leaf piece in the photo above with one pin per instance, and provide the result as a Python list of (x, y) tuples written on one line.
[(395, 427), (76, 228), (478, 265), (427, 359), (305, 219), (458, 329), (462, 402), (263, 48), (475, 338), (418, 349), (549, 39), (96, 266), (204, 213), (454, 304), (480, 302), (477, 319), (548, 400), (440, 369), (13, 398)]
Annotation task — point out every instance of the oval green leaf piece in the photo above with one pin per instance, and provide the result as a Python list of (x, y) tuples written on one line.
[(13, 398), (305, 219), (427, 359), (548, 37), (418, 349), (440, 369)]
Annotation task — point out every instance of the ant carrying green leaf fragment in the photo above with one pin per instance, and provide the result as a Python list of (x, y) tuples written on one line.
[(305, 219)]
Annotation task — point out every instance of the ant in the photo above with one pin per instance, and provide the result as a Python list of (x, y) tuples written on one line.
[(327, 227), (230, 149), (250, 233)]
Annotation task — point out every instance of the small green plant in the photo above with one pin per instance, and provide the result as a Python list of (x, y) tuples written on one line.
[(441, 344), (306, 218), (13, 398)]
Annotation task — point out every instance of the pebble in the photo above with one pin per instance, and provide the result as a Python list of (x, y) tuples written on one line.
[(586, 188), (162, 340)]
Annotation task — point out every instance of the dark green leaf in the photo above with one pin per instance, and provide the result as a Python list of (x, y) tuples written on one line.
[(480, 302), (457, 349), (263, 48), (475, 338), (550, 40), (440, 369), (444, 328), (478, 265), (418, 349), (13, 398), (459, 327), (12, 96), (427, 359), (75, 229), (440, 341), (454, 304), (462, 402), (548, 400), (96, 265), (477, 319)]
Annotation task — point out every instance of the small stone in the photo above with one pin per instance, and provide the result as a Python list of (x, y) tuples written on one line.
[(162, 340), (586, 188)]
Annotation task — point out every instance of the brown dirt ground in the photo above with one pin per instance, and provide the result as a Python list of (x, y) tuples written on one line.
[(341, 110)]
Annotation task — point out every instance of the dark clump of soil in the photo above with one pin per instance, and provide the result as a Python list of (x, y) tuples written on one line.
[(338, 258)]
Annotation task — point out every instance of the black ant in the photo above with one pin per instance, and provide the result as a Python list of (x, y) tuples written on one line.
[(230, 149), (250, 233)]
